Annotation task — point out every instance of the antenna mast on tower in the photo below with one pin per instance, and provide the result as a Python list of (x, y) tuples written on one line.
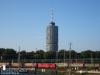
[(52, 14)]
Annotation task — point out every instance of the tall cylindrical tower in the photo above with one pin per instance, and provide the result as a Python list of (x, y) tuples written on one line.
[(52, 37)]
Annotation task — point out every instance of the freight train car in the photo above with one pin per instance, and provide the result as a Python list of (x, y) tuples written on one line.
[(61, 65), (16, 65), (76, 66), (30, 65), (91, 66), (1, 64), (46, 65)]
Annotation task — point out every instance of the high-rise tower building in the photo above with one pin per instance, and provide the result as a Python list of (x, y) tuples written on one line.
[(52, 36)]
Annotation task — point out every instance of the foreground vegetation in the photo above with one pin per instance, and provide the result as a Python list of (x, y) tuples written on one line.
[(54, 72)]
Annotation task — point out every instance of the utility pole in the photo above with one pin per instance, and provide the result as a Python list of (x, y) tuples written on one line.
[(56, 61), (35, 55), (64, 56), (70, 59), (76, 56), (91, 59), (56, 56), (92, 62)]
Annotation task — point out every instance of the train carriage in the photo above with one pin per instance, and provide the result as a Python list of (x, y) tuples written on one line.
[(16, 65), (61, 65), (91, 66), (1, 64), (76, 66), (46, 65), (30, 65)]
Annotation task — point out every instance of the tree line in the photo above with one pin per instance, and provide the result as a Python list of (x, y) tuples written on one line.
[(40, 54)]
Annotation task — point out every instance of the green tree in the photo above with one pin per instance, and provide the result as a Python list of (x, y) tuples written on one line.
[(30, 55), (97, 54), (23, 54), (1, 52), (73, 54), (86, 54), (78, 55), (41, 52), (9, 54), (46, 55), (61, 53), (37, 56)]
